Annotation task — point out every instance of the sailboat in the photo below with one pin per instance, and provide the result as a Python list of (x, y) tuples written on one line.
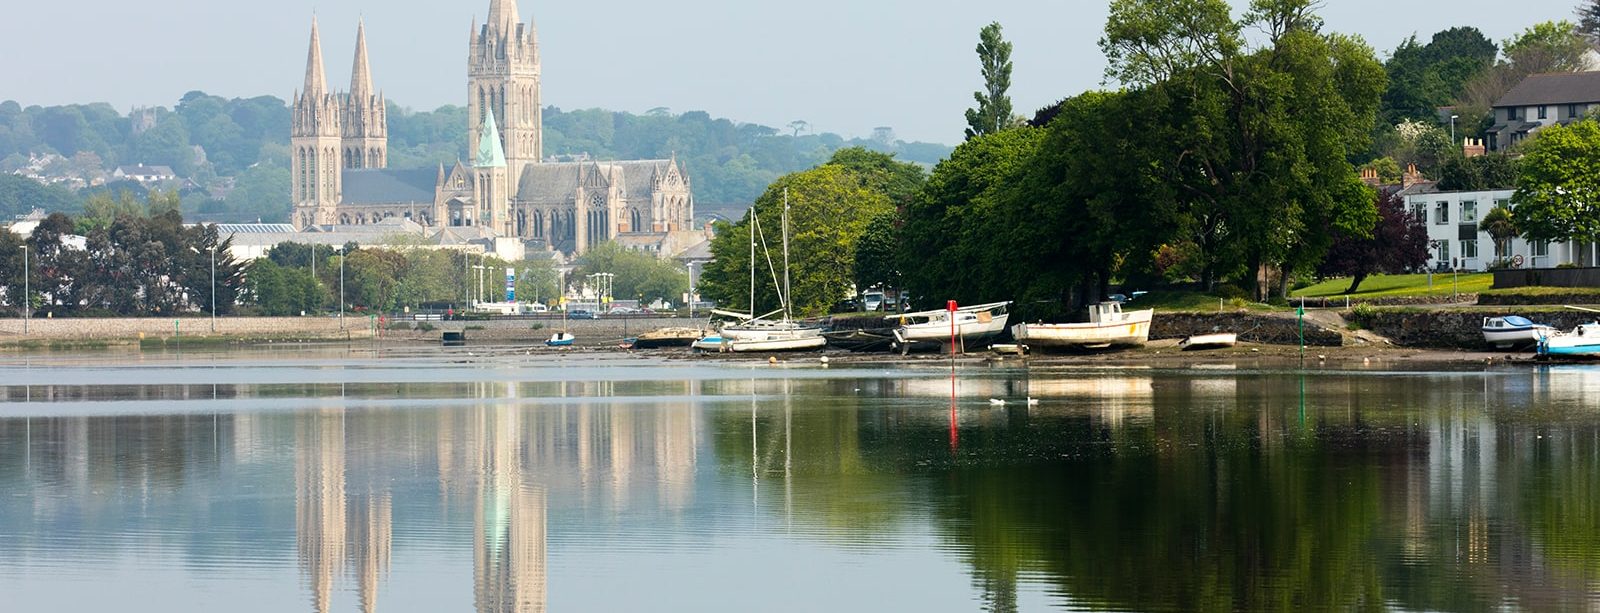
[(562, 338), (759, 334)]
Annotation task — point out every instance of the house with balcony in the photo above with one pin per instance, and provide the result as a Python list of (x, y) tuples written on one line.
[(1456, 242), (1540, 101)]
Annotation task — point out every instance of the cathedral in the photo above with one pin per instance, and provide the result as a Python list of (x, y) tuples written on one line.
[(340, 174)]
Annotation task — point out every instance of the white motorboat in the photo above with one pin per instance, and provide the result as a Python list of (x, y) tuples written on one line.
[(1201, 342), (1581, 342), (1108, 326), (1513, 332), (972, 326)]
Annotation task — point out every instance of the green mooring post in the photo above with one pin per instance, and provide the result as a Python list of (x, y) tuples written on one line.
[(1301, 311)]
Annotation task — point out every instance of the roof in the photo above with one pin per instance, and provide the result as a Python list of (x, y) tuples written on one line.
[(490, 154), (1554, 88), (639, 176), (549, 183), (253, 228), (141, 169), (389, 186)]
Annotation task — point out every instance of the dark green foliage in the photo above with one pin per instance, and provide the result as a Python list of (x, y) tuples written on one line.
[(639, 276), (1398, 244), (993, 112), (1475, 174), (1423, 78), (20, 195)]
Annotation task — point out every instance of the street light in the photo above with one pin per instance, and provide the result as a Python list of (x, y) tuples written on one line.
[(213, 289), (27, 300), (339, 249), (691, 290), (1453, 119)]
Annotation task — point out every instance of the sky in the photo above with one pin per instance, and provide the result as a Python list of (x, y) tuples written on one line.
[(843, 66)]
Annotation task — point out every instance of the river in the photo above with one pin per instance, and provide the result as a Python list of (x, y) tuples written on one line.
[(266, 480)]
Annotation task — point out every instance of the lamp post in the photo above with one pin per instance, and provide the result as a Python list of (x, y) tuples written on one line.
[(317, 287), (213, 289), (691, 290), (27, 299), (339, 249), (1453, 119)]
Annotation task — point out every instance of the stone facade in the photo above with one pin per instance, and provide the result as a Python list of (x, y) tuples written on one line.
[(340, 171)]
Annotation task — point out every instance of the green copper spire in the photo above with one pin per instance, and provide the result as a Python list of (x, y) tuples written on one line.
[(490, 153)]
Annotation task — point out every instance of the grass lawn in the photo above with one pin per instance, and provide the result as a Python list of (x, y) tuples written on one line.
[(1192, 302), (1402, 285)]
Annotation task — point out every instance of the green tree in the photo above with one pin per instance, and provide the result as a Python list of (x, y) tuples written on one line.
[(1255, 142), (1480, 173), (639, 275), (1501, 224), (1423, 78), (876, 259), (1558, 185), (830, 210), (993, 112)]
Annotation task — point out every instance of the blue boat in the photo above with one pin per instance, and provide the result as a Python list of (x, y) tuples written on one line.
[(561, 339), (1583, 342), (1513, 331)]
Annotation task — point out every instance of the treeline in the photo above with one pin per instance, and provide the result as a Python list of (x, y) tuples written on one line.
[(236, 150), (143, 262)]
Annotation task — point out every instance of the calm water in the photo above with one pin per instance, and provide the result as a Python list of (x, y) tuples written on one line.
[(451, 482)]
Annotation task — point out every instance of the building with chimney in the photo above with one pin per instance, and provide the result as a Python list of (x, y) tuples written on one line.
[(508, 190)]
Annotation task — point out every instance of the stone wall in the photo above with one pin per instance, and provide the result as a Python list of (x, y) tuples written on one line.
[(1455, 329), (1270, 329), (129, 328), (589, 332), (1547, 277)]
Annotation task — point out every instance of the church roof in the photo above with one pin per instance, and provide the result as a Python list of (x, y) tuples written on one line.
[(546, 183), (389, 186), (639, 176)]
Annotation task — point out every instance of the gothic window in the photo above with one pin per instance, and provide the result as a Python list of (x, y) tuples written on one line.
[(633, 220)]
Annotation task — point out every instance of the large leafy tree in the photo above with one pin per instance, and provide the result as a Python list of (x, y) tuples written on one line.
[(1398, 244), (639, 275), (1256, 139), (993, 112), (1423, 78), (1558, 185), (830, 209)]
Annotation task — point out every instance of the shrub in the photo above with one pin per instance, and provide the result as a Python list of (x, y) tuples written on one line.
[(538, 326), (475, 327), (1361, 315), (423, 326), (1230, 291)]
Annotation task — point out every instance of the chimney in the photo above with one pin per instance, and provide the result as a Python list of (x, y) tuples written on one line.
[(1472, 147), (1369, 176), (1412, 177)]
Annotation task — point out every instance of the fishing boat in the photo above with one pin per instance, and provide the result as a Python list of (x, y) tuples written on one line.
[(971, 326), (1202, 342), (1108, 327), (1513, 332), (560, 339), (1581, 342), (667, 337)]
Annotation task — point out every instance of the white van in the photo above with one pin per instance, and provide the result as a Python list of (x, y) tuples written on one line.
[(873, 301)]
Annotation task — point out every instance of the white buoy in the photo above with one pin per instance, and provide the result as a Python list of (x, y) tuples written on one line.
[(996, 402), (824, 359), (1033, 402)]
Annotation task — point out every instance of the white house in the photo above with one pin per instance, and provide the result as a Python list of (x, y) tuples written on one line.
[(1456, 241)]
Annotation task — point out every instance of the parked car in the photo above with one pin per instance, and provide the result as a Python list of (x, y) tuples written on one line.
[(582, 314), (873, 300), (538, 308), (622, 310)]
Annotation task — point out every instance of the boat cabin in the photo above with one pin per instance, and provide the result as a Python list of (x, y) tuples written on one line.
[(1107, 312)]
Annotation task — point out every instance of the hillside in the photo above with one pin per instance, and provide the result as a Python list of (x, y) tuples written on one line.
[(231, 155)]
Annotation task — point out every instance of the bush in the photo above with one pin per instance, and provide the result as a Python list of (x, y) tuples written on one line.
[(1361, 315), (475, 327), (399, 325), (423, 326), (538, 326), (1229, 291)]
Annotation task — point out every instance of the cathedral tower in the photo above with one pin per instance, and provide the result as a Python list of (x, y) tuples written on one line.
[(365, 118), (314, 144), (503, 80)]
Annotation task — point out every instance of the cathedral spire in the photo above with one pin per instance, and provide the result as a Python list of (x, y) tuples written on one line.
[(361, 73), (316, 80), (490, 154), (503, 15)]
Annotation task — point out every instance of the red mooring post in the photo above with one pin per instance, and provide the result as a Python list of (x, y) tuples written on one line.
[(951, 305)]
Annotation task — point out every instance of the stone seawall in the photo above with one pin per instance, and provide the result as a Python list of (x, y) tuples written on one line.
[(1455, 329), (589, 332), (129, 328), (1267, 329)]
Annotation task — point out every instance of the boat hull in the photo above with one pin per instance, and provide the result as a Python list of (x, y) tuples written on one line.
[(861, 340), (1209, 341), (968, 333), (768, 345), (1512, 338), (667, 338), (1132, 331)]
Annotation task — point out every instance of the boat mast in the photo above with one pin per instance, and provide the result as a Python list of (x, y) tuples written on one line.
[(788, 298), (753, 222)]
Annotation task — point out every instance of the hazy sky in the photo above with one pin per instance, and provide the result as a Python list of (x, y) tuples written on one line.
[(846, 66)]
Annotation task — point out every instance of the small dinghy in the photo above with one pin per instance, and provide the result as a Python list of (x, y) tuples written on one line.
[(1202, 342), (1513, 332), (560, 339)]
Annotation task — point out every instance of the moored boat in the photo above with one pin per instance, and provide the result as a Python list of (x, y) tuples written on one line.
[(1582, 342), (972, 326), (1201, 342), (861, 340), (1513, 331), (560, 339), (667, 337), (1108, 327)]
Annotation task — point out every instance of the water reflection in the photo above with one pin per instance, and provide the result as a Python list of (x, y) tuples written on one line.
[(1120, 490)]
